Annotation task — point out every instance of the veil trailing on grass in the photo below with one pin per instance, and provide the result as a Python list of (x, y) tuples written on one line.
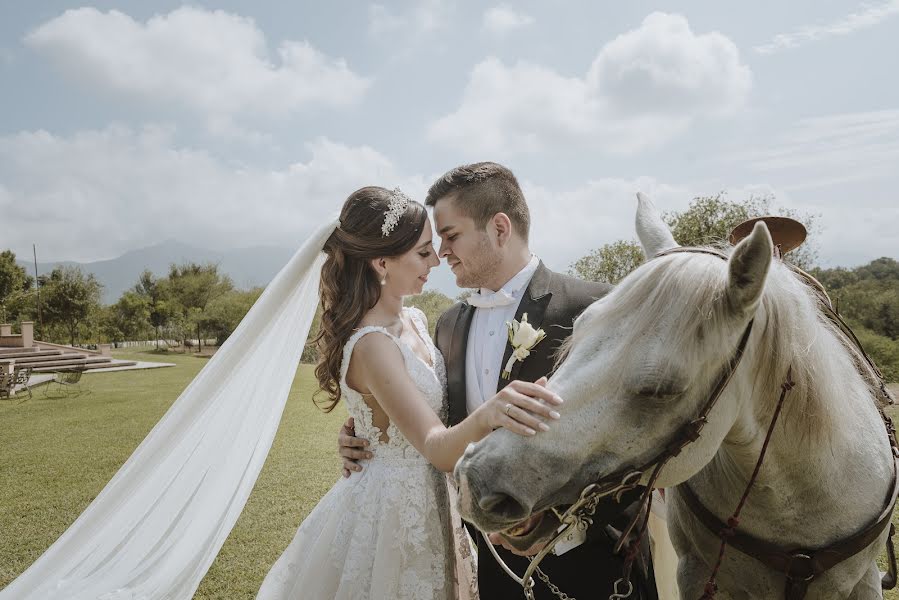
[(156, 527)]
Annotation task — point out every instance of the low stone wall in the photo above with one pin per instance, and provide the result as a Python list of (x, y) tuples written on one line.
[(22, 340), (52, 346), (11, 341)]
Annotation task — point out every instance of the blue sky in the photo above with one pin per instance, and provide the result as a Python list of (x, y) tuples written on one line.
[(237, 124)]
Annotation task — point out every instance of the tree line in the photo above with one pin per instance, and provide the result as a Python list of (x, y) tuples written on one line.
[(867, 297), (197, 301), (193, 301)]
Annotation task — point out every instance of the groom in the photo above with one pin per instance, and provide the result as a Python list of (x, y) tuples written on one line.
[(483, 221)]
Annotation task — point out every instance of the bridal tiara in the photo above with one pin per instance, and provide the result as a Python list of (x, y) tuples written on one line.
[(399, 202)]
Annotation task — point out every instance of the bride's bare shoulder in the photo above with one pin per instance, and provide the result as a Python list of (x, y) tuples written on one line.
[(375, 351)]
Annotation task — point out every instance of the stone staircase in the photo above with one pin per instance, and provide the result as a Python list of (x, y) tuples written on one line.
[(43, 360)]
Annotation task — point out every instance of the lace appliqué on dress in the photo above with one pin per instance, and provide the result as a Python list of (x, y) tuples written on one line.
[(386, 532)]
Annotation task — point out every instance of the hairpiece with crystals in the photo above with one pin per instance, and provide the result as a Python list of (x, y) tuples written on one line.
[(399, 202)]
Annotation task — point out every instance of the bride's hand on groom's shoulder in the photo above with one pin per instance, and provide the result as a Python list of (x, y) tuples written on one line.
[(351, 448), (521, 407)]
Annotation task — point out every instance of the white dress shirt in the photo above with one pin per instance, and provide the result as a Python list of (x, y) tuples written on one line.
[(487, 338)]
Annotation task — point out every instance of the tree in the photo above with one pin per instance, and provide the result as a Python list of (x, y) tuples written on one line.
[(882, 269), (69, 298), (707, 221), (15, 286), (835, 279), (882, 350), (432, 303), (225, 313), (867, 295), (156, 295), (464, 295), (610, 263), (127, 319), (194, 286)]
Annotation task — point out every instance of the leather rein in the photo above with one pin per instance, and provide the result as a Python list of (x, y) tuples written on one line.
[(800, 566)]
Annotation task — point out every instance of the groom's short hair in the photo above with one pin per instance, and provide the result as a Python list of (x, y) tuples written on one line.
[(481, 190)]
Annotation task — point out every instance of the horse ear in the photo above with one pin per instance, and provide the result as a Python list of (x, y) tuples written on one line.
[(747, 269), (653, 233)]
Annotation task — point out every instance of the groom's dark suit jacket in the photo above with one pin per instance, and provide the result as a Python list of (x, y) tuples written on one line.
[(552, 301)]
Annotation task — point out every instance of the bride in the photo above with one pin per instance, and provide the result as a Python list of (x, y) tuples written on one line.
[(388, 532)]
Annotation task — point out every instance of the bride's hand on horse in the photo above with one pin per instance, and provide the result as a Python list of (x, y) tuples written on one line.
[(351, 448), (519, 407)]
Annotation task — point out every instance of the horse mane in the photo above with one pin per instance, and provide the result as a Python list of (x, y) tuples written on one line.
[(830, 371), (790, 329)]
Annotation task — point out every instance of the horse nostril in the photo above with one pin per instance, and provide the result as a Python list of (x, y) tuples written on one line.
[(503, 505)]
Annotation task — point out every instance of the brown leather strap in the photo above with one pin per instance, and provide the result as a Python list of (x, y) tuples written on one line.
[(888, 580), (799, 565)]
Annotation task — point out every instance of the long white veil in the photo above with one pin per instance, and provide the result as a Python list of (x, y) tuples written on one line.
[(156, 527)]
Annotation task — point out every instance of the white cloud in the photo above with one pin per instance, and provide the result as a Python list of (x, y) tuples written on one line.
[(97, 194), (422, 18), (662, 67), (842, 167), (502, 19), (644, 87), (567, 224), (824, 151), (214, 63), (869, 17)]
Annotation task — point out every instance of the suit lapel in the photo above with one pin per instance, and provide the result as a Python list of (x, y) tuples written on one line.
[(536, 299), (455, 363)]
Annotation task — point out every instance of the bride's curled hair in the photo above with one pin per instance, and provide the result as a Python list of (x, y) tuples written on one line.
[(349, 285)]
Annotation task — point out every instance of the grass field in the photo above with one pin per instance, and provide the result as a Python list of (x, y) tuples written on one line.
[(57, 454)]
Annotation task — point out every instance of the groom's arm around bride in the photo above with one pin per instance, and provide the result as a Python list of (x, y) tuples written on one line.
[(483, 221)]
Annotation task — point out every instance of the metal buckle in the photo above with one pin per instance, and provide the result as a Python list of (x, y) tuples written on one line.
[(618, 594), (806, 561)]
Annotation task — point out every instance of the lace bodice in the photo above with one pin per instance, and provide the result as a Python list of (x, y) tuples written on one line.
[(388, 531), (431, 381)]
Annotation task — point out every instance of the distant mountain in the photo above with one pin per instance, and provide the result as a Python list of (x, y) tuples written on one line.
[(248, 267)]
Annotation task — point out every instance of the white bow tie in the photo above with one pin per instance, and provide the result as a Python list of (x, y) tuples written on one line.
[(491, 300)]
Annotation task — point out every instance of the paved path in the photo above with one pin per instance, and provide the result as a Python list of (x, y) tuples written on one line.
[(41, 378), (136, 366)]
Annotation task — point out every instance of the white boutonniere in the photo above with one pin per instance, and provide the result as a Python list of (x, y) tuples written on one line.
[(523, 338)]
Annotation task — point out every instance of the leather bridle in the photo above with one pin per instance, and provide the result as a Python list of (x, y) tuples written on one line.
[(579, 516)]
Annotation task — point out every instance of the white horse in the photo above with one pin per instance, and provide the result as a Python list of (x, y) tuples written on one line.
[(641, 362)]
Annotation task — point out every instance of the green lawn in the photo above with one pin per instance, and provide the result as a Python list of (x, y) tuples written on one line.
[(57, 454)]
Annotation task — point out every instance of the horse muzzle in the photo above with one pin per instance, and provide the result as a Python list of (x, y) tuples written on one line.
[(483, 502)]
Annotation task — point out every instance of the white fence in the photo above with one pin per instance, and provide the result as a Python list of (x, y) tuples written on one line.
[(135, 344), (162, 343)]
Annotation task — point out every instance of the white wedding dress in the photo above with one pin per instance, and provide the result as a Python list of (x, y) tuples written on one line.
[(387, 531)]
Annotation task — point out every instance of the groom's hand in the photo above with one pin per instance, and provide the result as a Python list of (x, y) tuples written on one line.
[(351, 448)]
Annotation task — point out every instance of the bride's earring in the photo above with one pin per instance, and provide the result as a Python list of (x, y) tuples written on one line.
[(384, 279)]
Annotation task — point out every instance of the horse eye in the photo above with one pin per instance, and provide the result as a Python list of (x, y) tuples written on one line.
[(661, 391)]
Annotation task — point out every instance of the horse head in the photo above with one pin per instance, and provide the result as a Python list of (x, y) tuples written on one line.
[(640, 363)]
